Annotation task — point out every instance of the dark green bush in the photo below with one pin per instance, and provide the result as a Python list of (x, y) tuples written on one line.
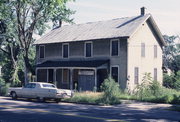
[(172, 81), (3, 87), (111, 91)]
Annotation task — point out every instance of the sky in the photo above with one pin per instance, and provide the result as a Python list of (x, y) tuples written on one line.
[(165, 12)]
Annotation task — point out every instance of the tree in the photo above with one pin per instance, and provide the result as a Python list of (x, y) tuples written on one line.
[(171, 54), (27, 17)]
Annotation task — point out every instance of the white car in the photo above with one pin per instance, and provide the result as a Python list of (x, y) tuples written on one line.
[(40, 91)]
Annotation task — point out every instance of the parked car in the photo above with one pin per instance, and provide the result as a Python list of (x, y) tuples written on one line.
[(41, 91)]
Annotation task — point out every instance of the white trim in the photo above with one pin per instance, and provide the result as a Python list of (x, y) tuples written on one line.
[(91, 49), (111, 70), (63, 50), (40, 53), (111, 47)]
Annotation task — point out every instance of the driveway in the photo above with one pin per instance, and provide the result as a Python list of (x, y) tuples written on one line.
[(25, 111)]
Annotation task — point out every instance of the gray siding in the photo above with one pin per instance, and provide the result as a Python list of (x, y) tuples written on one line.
[(76, 49)]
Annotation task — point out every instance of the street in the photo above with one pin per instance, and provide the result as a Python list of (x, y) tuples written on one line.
[(22, 110)]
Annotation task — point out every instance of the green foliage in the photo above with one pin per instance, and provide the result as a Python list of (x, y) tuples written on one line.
[(172, 81), (111, 91), (3, 87)]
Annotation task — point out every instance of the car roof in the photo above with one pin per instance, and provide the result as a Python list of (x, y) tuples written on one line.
[(41, 83)]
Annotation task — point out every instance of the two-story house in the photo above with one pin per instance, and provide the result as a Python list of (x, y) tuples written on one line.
[(82, 55)]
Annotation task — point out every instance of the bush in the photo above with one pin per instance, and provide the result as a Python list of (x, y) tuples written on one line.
[(111, 91), (3, 87), (172, 81)]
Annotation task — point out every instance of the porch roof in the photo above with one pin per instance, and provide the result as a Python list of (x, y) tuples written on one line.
[(89, 63)]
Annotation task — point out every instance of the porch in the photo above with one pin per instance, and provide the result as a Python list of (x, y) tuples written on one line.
[(79, 75)]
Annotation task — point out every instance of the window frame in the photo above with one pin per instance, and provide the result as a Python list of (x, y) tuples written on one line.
[(112, 48), (155, 74), (136, 76), (90, 42), (116, 66), (63, 50), (143, 52), (40, 51), (155, 51)]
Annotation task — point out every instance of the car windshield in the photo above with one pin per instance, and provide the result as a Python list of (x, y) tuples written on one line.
[(48, 86)]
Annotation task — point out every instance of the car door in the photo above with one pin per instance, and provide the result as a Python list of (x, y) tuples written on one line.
[(28, 90)]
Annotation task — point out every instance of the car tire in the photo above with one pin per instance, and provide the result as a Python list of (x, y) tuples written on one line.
[(41, 99), (14, 95), (58, 100)]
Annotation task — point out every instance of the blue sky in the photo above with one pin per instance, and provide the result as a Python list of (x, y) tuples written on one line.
[(165, 12)]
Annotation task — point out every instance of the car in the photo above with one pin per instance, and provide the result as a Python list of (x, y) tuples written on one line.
[(41, 91)]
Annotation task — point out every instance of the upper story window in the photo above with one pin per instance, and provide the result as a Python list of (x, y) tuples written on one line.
[(114, 73), (114, 47), (142, 49), (155, 51), (155, 74), (136, 75), (41, 51), (88, 49), (65, 50)]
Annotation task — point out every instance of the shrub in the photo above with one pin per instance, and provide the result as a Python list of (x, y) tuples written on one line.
[(111, 91), (3, 87)]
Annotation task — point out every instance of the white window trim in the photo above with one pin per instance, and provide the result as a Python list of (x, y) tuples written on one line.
[(40, 52), (63, 50), (111, 71), (111, 47), (91, 49)]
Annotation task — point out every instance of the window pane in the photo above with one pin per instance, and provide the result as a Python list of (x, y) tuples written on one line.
[(114, 73), (155, 74), (142, 49), (65, 75), (155, 51), (88, 49), (41, 51), (136, 75), (114, 48), (65, 51)]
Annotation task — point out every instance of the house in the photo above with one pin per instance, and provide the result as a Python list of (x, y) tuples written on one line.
[(81, 56)]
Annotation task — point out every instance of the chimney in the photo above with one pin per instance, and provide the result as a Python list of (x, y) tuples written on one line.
[(143, 11)]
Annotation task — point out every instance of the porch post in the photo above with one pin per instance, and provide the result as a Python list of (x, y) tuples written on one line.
[(71, 78), (55, 82), (36, 75), (95, 79)]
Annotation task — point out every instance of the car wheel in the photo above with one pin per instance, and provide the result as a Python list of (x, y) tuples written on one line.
[(14, 95), (40, 99), (57, 100)]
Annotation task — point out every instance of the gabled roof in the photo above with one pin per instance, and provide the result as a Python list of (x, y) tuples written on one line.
[(121, 27)]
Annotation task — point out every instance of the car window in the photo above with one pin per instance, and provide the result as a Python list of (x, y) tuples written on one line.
[(30, 85), (48, 85)]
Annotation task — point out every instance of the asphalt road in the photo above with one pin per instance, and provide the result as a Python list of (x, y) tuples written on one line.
[(23, 110)]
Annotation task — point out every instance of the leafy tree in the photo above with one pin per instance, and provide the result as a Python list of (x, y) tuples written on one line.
[(171, 54), (24, 18)]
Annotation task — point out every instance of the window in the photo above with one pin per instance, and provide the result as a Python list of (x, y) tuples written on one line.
[(65, 50), (88, 49), (155, 74), (136, 75), (114, 47), (65, 75), (114, 73), (48, 86), (142, 49), (41, 51), (155, 51)]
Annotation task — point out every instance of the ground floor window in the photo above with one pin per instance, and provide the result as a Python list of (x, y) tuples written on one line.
[(136, 75), (114, 73), (155, 74)]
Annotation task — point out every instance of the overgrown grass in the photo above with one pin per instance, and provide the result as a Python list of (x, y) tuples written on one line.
[(86, 97)]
